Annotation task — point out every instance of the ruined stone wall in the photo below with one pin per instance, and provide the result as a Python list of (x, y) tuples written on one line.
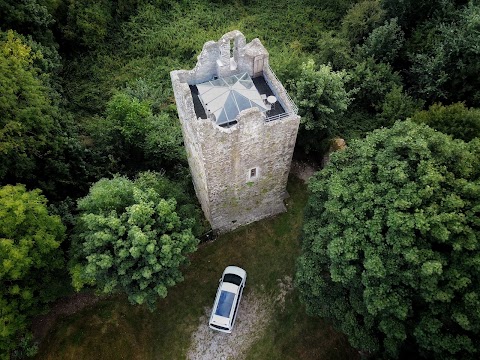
[(189, 122), (214, 60)]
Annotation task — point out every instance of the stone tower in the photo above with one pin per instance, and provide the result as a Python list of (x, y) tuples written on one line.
[(239, 127)]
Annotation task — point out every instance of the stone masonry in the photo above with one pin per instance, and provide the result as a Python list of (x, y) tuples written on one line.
[(239, 172)]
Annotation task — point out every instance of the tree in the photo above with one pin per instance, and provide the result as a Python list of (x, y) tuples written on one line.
[(383, 43), (411, 13), (321, 96), (334, 49), (29, 17), (164, 142), (456, 120), (390, 248), (135, 137), (361, 19), (447, 69), (88, 21), (397, 106), (373, 82), (30, 257), (26, 112), (130, 238), (39, 144)]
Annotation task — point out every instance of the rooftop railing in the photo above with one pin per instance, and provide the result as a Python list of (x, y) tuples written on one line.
[(283, 91), (278, 116)]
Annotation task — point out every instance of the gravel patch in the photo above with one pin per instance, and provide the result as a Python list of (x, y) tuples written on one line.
[(253, 317), (254, 314)]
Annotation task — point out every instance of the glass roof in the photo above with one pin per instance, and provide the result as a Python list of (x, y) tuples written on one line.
[(226, 97)]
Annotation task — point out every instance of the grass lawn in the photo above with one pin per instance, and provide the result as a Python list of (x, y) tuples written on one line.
[(114, 329)]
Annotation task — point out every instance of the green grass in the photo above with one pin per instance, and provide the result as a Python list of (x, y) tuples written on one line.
[(114, 329)]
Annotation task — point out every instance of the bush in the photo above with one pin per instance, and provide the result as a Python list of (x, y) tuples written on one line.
[(131, 239), (30, 261)]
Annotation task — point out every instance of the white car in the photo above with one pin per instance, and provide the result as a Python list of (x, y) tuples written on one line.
[(228, 298)]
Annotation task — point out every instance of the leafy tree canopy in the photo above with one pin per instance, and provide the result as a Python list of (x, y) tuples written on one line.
[(29, 256), (397, 105), (29, 17), (446, 69), (88, 21), (38, 140), (390, 249), (321, 96), (135, 137), (91, 21), (334, 49), (411, 13), (383, 43), (373, 81), (26, 112), (361, 19), (456, 120), (130, 239)]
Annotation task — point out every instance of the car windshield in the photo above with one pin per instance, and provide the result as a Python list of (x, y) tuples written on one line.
[(225, 303), (232, 278)]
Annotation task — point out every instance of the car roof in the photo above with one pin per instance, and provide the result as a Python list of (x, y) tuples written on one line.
[(226, 286)]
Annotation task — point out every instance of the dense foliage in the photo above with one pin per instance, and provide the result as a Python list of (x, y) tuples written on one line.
[(322, 100), (130, 238), (456, 120), (29, 259), (390, 245), (135, 138), (446, 68), (28, 114)]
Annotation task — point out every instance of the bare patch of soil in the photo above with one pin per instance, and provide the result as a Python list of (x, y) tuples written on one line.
[(69, 305)]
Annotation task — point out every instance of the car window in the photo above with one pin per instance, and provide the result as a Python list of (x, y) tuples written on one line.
[(232, 278), (225, 303)]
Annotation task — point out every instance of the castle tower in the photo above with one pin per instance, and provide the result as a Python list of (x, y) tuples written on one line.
[(239, 127)]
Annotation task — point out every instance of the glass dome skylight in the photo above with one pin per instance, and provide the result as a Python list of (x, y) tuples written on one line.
[(226, 97)]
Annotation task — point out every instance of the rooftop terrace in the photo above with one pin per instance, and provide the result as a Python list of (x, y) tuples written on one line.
[(232, 102)]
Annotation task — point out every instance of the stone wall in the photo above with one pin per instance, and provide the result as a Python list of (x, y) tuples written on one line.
[(214, 60), (230, 154)]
